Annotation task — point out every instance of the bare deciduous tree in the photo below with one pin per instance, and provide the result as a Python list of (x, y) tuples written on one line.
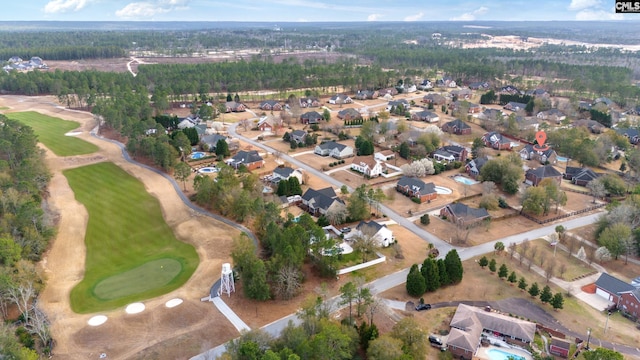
[(376, 304), (562, 269), (532, 259), (512, 250), (365, 241), (550, 269), (287, 282), (524, 250), (336, 215), (461, 235), (39, 325)]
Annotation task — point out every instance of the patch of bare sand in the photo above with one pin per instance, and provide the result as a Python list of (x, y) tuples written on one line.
[(126, 336)]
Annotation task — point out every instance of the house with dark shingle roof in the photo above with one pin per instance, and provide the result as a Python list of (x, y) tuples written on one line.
[(459, 152), (496, 141), (457, 127), (630, 133), (580, 176), (366, 94), (311, 117), (381, 234), (270, 105), (284, 173), (529, 153), (233, 106), (443, 155), (212, 141), (340, 99), (474, 166), (319, 202), (464, 215), (416, 188), (514, 106), (535, 176), (333, 149), (434, 98), (251, 159), (624, 295), (425, 115), (349, 114)]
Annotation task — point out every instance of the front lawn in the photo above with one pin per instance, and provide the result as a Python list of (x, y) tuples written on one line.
[(132, 254), (51, 133)]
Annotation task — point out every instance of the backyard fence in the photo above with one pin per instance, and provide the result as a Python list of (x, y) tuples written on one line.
[(563, 216)]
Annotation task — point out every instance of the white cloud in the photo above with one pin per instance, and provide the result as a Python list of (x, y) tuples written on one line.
[(57, 6), (415, 17), (598, 15), (470, 16), (583, 4), (148, 9), (374, 17)]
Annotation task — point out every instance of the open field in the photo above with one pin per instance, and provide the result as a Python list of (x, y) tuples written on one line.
[(126, 234), (51, 130)]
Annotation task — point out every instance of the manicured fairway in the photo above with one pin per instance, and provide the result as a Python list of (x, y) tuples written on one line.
[(51, 130), (132, 254)]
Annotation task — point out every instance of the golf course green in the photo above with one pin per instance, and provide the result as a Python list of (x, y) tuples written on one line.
[(132, 254), (51, 133)]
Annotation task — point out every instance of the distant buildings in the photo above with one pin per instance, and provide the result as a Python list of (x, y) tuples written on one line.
[(15, 63)]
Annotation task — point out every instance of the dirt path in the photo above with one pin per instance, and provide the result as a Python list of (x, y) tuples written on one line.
[(157, 329)]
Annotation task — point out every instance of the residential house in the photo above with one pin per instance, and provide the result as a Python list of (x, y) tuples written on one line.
[(446, 81), (284, 173), (334, 149), (509, 90), (379, 233), (580, 176), (459, 152), (269, 124), (443, 155), (299, 136), (552, 115), (469, 324), (311, 117), (410, 137), (434, 98), (251, 159), (629, 302), (462, 94), (593, 126), (514, 106), (559, 347), (411, 89), (309, 102), (611, 288), (270, 105), (319, 202), (527, 123), (491, 115), (15, 59), (630, 133), (425, 85), (474, 166), (233, 106), (387, 91), (340, 99), (479, 85), (496, 141), (349, 114), (457, 127), (584, 105), (384, 155), (548, 156), (425, 115), (367, 165), (535, 176), (211, 141), (394, 104), (538, 93), (474, 109), (186, 123), (416, 188), (603, 100), (464, 215), (471, 107), (366, 94)]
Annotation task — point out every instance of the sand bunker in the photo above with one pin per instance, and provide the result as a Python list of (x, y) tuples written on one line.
[(173, 303), (134, 308), (73, 133), (97, 320)]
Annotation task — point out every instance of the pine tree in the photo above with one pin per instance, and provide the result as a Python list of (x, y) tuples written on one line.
[(283, 188), (454, 267), (222, 148), (483, 262), (492, 265), (513, 278), (503, 272), (404, 150), (557, 301), (442, 270), (546, 295), (431, 275), (522, 284), (415, 282), (294, 186), (534, 290)]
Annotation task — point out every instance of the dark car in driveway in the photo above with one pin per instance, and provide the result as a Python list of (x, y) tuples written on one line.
[(421, 307)]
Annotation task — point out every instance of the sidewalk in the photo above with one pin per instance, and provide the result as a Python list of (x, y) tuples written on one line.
[(229, 314)]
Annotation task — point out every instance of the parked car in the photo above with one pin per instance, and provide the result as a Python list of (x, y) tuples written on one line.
[(437, 342), (345, 230), (421, 307)]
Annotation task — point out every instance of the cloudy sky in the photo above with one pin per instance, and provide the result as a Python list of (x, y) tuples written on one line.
[(309, 11)]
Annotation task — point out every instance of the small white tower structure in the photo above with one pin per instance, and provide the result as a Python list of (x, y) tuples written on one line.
[(226, 280)]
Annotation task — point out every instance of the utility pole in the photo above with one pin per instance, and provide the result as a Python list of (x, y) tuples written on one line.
[(607, 322)]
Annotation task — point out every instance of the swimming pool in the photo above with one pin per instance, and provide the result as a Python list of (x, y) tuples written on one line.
[(198, 155), (442, 190), (208, 170), (464, 180), (562, 158), (496, 354)]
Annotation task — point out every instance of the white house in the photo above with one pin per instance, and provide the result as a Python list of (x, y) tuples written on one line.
[(340, 99), (384, 155), (334, 149), (367, 165), (380, 233), (284, 173)]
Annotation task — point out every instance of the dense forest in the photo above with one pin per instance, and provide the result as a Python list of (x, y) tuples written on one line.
[(25, 230)]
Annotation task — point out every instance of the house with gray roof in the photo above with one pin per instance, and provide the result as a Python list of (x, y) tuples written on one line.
[(434, 98), (212, 141), (425, 115), (251, 159), (349, 114), (319, 202), (333, 149), (580, 176), (381, 234), (416, 188), (514, 106), (610, 287), (464, 215), (457, 127), (535, 176), (310, 117), (496, 141), (548, 156), (630, 133), (284, 173), (474, 166)]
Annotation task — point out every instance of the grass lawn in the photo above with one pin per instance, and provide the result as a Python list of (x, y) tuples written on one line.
[(51, 130), (132, 254)]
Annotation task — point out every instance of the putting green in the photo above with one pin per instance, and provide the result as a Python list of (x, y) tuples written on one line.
[(151, 275)]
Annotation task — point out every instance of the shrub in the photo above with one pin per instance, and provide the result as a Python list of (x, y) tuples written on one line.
[(416, 200), (424, 219), (483, 262), (502, 203)]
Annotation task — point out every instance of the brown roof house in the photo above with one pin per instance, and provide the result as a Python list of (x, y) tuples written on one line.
[(464, 215), (535, 176), (349, 114), (416, 188), (470, 325), (559, 347), (457, 127)]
